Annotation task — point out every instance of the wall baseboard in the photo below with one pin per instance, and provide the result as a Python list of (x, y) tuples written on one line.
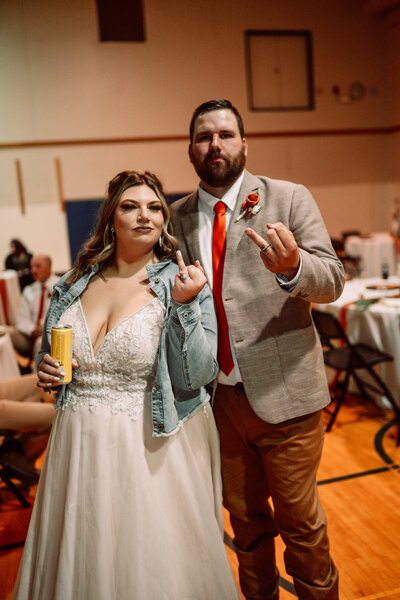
[(179, 138)]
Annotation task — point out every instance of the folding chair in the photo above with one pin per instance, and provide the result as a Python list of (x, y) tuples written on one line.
[(13, 465), (351, 264), (351, 358), (348, 232), (13, 488)]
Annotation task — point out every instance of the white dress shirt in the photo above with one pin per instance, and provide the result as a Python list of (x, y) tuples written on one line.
[(30, 304), (206, 222)]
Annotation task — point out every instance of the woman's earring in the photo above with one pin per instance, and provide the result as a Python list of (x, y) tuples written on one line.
[(112, 229), (160, 241)]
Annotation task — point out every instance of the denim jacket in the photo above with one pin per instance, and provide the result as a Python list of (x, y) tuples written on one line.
[(186, 354)]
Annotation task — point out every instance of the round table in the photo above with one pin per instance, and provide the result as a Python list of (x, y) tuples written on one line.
[(10, 297), (8, 362), (375, 250), (378, 325)]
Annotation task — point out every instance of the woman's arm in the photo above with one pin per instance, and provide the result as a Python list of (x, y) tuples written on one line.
[(45, 346), (48, 369), (190, 337), (192, 342)]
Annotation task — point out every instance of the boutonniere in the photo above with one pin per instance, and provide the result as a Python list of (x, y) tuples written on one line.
[(250, 207)]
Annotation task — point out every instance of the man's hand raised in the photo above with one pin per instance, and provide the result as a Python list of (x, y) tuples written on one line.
[(280, 254)]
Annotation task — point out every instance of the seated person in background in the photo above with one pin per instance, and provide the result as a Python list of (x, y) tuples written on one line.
[(395, 226), (27, 333), (26, 417), (351, 264), (19, 260)]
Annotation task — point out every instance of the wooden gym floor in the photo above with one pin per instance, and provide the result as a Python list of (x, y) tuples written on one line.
[(359, 485)]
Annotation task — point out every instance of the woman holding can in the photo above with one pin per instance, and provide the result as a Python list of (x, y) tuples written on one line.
[(129, 501)]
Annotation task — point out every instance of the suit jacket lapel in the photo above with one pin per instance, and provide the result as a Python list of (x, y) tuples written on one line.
[(190, 227), (236, 230)]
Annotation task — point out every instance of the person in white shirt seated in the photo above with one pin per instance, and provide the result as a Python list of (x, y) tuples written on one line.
[(35, 299)]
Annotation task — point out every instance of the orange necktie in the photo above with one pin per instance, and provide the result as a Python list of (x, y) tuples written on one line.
[(218, 257), (41, 306)]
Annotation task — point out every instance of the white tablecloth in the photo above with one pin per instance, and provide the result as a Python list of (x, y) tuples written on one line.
[(10, 296), (376, 250), (8, 361), (378, 326)]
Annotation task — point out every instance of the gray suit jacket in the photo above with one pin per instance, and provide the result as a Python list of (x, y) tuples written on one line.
[(276, 344)]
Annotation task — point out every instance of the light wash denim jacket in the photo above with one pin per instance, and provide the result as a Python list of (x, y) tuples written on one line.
[(186, 354)]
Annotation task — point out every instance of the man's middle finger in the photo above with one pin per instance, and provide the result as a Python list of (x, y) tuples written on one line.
[(281, 235)]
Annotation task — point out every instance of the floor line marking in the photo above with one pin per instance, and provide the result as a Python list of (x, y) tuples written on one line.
[(355, 475), (379, 595), (378, 442), (378, 445)]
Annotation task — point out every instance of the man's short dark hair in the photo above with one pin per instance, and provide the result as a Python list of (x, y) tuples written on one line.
[(216, 105)]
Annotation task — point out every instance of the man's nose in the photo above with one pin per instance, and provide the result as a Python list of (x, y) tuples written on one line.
[(215, 141)]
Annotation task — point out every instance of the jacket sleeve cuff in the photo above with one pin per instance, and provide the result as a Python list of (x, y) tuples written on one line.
[(290, 285), (186, 314)]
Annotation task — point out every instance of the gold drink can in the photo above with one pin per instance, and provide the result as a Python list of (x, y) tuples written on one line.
[(61, 349)]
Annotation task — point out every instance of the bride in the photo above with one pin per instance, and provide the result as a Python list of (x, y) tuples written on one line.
[(129, 500)]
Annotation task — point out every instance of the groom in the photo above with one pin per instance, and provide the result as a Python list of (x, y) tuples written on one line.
[(267, 256)]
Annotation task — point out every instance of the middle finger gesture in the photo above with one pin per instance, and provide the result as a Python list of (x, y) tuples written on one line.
[(281, 253), (189, 282)]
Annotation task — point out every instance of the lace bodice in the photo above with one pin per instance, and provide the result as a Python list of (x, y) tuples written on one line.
[(122, 372)]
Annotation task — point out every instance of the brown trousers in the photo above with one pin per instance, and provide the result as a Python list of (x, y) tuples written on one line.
[(262, 461)]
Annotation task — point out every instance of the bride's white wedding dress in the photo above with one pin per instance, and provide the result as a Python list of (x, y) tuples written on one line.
[(119, 514)]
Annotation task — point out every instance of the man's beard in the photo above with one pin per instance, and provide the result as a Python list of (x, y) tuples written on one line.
[(221, 174)]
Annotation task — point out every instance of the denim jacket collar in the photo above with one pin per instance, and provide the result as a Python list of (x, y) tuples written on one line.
[(152, 270)]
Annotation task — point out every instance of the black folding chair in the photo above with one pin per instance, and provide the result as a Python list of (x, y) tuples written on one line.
[(14, 466), (4, 476), (348, 232), (351, 264), (350, 359)]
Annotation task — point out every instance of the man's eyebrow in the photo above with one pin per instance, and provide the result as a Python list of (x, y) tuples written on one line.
[(205, 131)]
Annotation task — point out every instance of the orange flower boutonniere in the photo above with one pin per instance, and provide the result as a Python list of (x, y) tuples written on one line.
[(251, 206)]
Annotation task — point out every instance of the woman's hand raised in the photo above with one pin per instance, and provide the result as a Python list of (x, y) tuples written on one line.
[(189, 282), (49, 372)]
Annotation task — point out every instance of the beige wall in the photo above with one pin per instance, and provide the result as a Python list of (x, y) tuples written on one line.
[(59, 82)]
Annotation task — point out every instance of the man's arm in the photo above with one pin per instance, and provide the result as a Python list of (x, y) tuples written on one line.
[(321, 277)]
